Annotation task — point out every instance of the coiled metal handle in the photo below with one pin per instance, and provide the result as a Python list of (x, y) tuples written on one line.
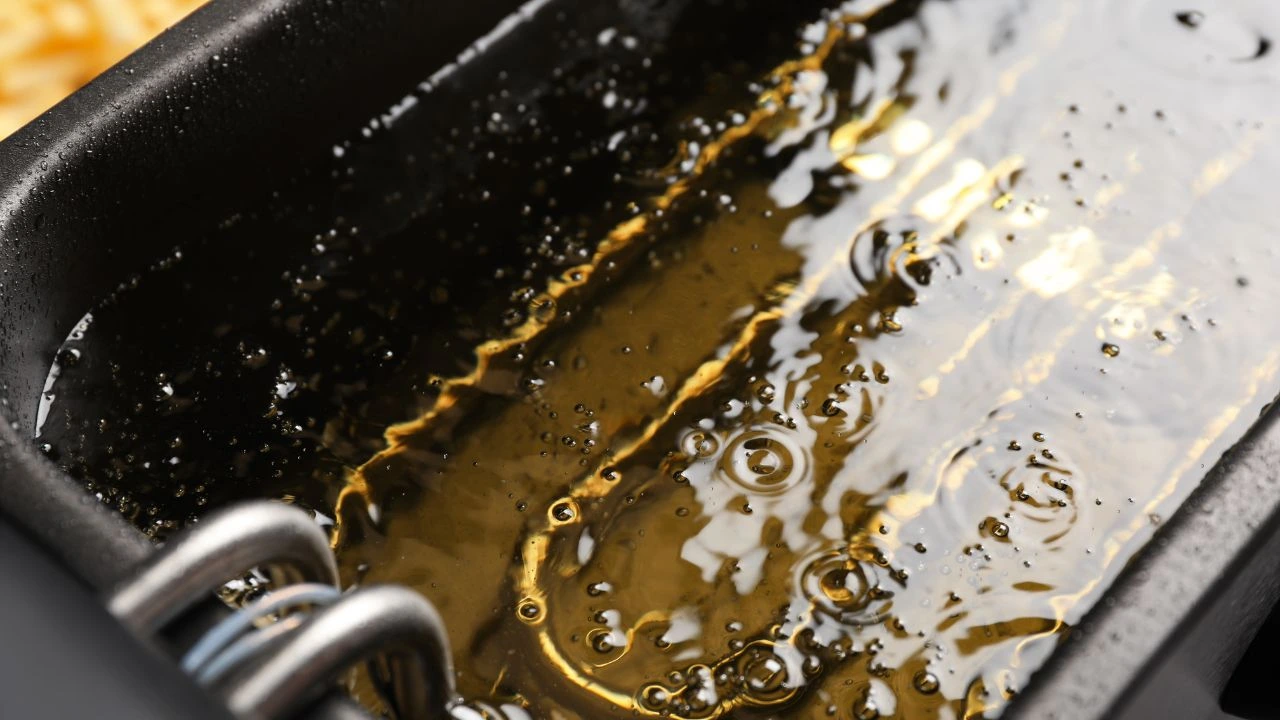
[(274, 537), (387, 621), (285, 668)]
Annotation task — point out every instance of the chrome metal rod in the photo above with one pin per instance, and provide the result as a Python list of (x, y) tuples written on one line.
[(244, 649), (390, 622), (281, 540), (217, 638)]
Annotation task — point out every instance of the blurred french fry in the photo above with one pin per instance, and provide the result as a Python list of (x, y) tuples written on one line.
[(49, 48)]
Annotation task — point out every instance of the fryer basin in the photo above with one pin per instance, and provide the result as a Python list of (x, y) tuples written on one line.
[(244, 102)]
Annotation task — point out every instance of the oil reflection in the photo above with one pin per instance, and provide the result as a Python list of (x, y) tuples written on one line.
[(942, 329)]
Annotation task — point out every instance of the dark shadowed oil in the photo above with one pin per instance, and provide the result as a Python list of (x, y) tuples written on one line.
[(712, 359)]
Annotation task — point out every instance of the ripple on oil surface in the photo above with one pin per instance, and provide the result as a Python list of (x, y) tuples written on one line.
[(764, 461)]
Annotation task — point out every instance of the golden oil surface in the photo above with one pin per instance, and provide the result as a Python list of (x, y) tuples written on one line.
[(865, 410)]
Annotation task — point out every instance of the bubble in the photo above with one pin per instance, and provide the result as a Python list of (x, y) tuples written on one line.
[(843, 587), (766, 393), (563, 511), (699, 444), (654, 697), (873, 253), (763, 675), (529, 610), (68, 357), (764, 462), (601, 641), (926, 682), (1110, 349), (812, 665)]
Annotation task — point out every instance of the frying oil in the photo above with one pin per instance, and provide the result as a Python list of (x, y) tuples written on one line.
[(862, 434), (867, 399)]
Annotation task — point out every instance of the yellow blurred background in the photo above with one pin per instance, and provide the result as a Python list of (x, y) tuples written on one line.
[(49, 48)]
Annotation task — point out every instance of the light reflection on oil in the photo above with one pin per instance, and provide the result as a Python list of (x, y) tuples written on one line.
[(866, 437)]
